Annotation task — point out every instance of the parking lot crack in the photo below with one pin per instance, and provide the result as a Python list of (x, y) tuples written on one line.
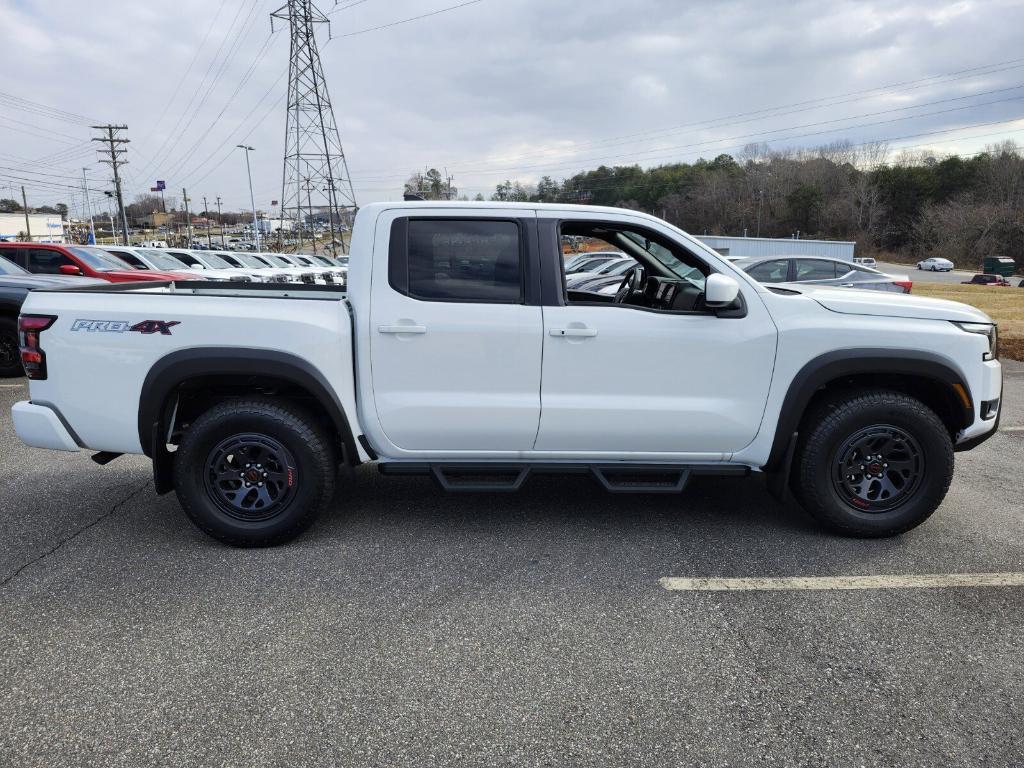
[(67, 539)]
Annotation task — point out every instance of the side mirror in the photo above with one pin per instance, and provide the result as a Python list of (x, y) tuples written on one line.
[(720, 291), (70, 269)]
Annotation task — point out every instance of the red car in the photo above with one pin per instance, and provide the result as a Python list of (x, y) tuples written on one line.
[(87, 260), (987, 280)]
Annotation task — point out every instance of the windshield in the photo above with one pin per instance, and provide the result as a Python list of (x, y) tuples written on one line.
[(667, 259), (277, 261), (324, 262), (215, 261), (249, 261), (99, 260), (162, 260), (10, 268)]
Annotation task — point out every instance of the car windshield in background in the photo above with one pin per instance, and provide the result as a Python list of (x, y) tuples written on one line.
[(10, 268), (163, 260), (322, 261), (99, 260), (215, 261), (250, 261), (277, 261)]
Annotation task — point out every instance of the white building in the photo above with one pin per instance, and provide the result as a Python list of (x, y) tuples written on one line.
[(45, 227), (773, 246)]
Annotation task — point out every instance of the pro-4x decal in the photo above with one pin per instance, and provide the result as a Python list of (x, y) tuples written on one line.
[(147, 327)]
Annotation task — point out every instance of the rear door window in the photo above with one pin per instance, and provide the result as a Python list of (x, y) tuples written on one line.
[(465, 260), (770, 271), (815, 269)]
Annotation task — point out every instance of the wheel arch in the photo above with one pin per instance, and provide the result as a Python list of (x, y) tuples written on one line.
[(233, 370), (934, 380)]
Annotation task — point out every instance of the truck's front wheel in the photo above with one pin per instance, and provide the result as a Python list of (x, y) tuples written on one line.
[(873, 463), (254, 472)]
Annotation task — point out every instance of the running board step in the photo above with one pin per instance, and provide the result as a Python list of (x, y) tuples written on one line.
[(615, 478)]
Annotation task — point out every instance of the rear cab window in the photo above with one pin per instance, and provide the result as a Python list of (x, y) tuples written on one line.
[(457, 260)]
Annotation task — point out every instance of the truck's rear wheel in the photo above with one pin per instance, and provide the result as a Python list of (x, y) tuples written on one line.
[(254, 472), (875, 463), (10, 356)]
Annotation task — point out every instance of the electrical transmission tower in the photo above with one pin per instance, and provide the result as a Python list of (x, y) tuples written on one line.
[(313, 157), (111, 136)]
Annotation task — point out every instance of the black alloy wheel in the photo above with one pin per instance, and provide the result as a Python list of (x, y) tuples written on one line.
[(878, 468)]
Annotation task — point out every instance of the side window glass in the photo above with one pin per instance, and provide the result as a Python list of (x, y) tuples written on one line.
[(46, 262), (132, 260), (770, 271), (815, 269), (470, 260)]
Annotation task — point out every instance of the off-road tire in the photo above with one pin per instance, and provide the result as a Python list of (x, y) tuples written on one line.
[(818, 481), (279, 423)]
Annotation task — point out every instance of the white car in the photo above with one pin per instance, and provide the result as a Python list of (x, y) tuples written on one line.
[(163, 261), (865, 261), (935, 264), (459, 355)]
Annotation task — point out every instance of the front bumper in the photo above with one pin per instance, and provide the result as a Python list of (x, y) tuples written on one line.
[(988, 390), (41, 427)]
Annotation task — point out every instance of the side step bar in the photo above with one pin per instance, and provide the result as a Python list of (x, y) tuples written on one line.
[(615, 478)]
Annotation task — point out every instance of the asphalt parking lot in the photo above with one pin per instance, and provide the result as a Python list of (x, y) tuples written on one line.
[(924, 276), (416, 628)]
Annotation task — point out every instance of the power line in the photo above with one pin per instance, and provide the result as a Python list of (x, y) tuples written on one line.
[(406, 21), (575, 163), (175, 135), (43, 110), (782, 110)]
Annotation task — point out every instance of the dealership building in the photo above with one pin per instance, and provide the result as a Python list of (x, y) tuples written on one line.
[(44, 227), (756, 247)]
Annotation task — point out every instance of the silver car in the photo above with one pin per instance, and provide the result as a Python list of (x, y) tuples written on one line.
[(822, 271)]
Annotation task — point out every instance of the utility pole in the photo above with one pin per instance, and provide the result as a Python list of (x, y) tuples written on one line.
[(113, 149), (248, 170), (24, 205), (206, 213), (312, 143), (221, 220), (330, 218), (188, 218), (88, 209)]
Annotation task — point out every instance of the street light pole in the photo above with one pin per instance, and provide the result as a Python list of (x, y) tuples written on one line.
[(252, 198)]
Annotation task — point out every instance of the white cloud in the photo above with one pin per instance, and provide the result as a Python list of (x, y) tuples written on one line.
[(499, 89)]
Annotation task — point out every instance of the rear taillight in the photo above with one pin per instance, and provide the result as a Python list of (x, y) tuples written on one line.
[(906, 285), (33, 359)]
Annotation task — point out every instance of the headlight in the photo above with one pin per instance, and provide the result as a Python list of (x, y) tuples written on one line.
[(990, 331)]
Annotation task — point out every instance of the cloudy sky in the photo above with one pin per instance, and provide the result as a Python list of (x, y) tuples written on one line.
[(493, 89)]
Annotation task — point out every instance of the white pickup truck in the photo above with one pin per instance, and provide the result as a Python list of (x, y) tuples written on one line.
[(455, 351)]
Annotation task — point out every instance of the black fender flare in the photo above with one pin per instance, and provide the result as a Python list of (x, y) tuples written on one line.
[(858, 361), (172, 370)]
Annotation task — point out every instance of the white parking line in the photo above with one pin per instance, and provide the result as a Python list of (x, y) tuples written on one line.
[(909, 581), (1011, 429), (12, 386)]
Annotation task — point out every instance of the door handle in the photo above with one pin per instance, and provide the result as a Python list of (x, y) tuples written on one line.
[(573, 332), (401, 329)]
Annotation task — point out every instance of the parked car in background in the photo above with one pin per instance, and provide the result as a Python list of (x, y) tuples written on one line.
[(865, 261), (822, 271), (592, 262), (573, 261), (611, 271), (935, 264), (78, 260), (169, 261), (15, 283), (997, 280)]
